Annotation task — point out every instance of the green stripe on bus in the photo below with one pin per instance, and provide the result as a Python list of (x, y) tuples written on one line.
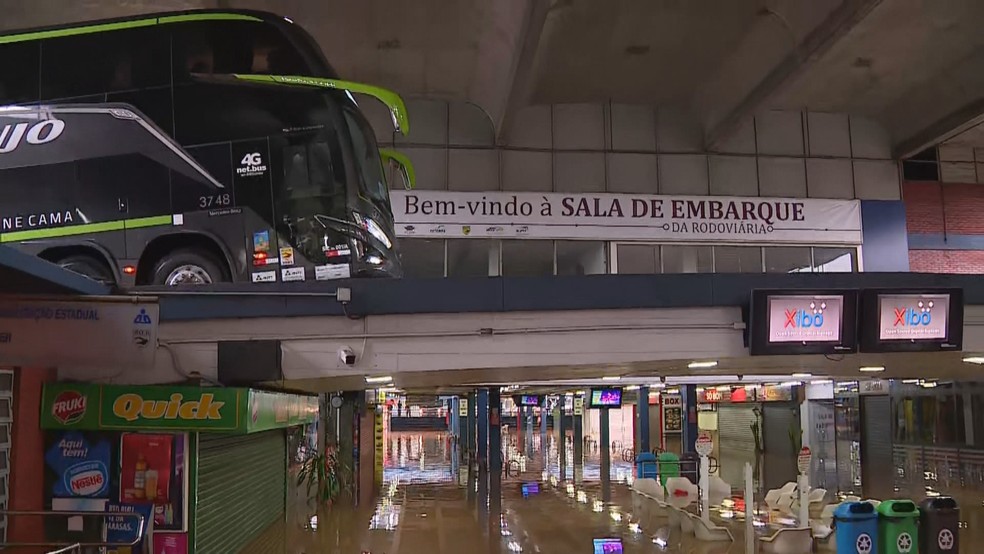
[(87, 228), (121, 25), (154, 221), (392, 100)]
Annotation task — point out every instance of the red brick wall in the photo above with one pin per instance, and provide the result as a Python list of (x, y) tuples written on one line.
[(27, 456), (944, 210)]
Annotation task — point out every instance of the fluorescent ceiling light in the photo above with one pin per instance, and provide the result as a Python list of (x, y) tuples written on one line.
[(790, 383), (632, 387), (872, 368), (929, 385), (722, 388), (974, 360), (702, 365), (802, 375), (611, 378), (658, 386), (822, 382), (383, 379), (672, 391)]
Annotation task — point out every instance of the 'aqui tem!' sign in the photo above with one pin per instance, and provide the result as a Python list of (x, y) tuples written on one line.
[(214, 409)]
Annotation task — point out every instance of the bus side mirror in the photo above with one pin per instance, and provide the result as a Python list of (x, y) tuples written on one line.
[(403, 163)]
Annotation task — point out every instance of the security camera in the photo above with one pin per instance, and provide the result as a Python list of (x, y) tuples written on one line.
[(740, 376), (662, 379), (346, 355)]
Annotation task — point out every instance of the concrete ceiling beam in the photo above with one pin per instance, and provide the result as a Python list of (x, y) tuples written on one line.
[(798, 60)]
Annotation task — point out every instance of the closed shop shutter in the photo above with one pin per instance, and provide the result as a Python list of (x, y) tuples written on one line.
[(241, 488), (877, 462), (737, 444), (779, 419)]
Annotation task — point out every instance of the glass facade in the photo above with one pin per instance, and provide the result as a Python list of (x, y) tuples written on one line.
[(427, 257)]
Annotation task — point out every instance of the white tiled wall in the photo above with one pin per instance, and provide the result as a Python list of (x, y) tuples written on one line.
[(639, 149)]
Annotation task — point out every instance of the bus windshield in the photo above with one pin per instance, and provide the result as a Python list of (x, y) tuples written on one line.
[(372, 181)]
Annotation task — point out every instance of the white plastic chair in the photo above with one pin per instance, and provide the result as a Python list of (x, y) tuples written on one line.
[(772, 497), (709, 532), (787, 503), (816, 496), (649, 487), (680, 492), (719, 489)]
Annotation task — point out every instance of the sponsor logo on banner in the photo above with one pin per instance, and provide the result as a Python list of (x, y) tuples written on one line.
[(913, 316), (805, 318), (628, 217), (69, 407), (292, 274)]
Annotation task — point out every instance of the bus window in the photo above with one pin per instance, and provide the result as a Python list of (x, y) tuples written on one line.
[(19, 64), (104, 62), (372, 181), (224, 47)]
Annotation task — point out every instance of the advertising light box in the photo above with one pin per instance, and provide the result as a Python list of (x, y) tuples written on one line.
[(803, 322), (911, 320)]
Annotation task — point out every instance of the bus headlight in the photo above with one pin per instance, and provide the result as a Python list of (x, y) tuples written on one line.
[(377, 232)]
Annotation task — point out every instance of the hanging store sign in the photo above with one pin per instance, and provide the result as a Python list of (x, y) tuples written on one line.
[(104, 333), (211, 409), (802, 322), (440, 214), (908, 321)]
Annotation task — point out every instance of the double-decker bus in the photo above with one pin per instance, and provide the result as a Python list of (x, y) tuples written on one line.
[(191, 148)]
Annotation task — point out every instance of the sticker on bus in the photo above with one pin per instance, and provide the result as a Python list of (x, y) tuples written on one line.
[(286, 256), (292, 274), (332, 271), (265, 277)]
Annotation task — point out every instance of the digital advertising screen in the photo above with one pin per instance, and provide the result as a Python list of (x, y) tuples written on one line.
[(606, 398), (803, 322), (911, 320), (529, 400), (607, 546)]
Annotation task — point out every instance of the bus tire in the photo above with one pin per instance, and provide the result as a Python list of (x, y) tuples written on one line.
[(188, 266), (88, 266)]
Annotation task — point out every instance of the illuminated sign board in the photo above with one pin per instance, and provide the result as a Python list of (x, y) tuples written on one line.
[(802, 322), (911, 320)]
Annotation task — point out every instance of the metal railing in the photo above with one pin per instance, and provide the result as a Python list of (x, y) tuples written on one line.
[(74, 547)]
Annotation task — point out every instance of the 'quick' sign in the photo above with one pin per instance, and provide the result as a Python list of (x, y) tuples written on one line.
[(805, 318), (41, 132), (913, 316)]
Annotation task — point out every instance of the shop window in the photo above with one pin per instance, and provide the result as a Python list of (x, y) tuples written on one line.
[(929, 419), (737, 259), (638, 259), (527, 258), (835, 260), (422, 258), (471, 258), (785, 259), (581, 258), (687, 259)]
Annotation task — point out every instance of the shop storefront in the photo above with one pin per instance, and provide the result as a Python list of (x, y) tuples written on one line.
[(206, 467)]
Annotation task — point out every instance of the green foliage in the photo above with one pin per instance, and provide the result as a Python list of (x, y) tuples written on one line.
[(323, 476)]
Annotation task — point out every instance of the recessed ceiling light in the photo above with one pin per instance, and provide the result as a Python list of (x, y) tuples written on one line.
[(383, 379), (658, 386), (702, 365), (611, 378), (872, 368), (974, 360), (672, 391), (632, 387), (802, 375)]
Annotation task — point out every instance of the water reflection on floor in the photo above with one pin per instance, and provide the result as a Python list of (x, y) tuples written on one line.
[(430, 504)]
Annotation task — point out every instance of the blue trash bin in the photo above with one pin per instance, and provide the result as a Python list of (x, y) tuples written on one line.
[(857, 528), (646, 467)]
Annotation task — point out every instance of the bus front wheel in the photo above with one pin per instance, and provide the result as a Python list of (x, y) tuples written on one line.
[(187, 266)]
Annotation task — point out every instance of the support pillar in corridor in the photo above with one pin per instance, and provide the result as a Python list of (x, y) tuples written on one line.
[(521, 429), (560, 425), (689, 400), (543, 430), (578, 438), (495, 460), (483, 428), (605, 446), (643, 414), (472, 426)]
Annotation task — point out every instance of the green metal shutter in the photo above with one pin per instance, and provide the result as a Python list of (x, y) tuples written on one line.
[(241, 489)]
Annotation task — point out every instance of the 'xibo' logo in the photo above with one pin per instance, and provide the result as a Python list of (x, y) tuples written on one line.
[(913, 316), (69, 407), (813, 317)]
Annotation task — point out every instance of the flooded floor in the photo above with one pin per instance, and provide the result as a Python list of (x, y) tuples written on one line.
[(432, 505)]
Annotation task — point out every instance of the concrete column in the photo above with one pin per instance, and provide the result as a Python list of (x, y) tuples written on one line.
[(579, 443), (472, 423), (560, 425), (520, 429), (643, 414), (462, 427), (483, 428), (543, 430), (688, 395), (495, 461), (606, 455)]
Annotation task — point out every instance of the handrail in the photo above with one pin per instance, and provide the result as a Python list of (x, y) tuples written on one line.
[(141, 527), (70, 549)]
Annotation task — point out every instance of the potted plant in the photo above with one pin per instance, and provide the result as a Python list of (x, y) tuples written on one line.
[(322, 474)]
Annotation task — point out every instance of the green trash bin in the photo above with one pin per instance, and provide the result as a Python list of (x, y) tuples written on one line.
[(668, 465), (898, 527)]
